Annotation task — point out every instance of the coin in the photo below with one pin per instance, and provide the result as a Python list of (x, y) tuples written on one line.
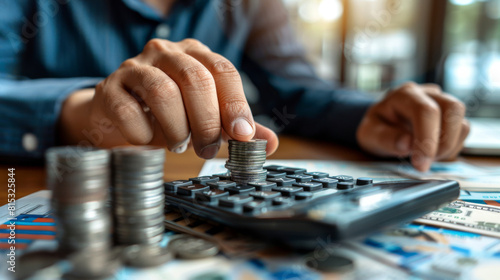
[(146, 255), (188, 247), (246, 160), (94, 264)]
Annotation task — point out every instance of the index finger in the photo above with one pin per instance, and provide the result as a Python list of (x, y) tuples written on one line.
[(236, 116), (424, 115)]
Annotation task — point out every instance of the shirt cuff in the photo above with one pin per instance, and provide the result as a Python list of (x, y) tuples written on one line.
[(30, 115)]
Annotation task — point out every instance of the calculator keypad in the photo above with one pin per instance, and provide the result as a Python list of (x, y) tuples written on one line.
[(285, 187)]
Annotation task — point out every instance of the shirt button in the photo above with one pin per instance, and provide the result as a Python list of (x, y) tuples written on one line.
[(30, 142), (163, 31)]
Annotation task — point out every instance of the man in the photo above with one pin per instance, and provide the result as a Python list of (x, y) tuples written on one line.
[(185, 88)]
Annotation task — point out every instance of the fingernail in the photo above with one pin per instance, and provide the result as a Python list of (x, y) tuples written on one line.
[(210, 151), (425, 163), (182, 146), (242, 127), (181, 149), (403, 144)]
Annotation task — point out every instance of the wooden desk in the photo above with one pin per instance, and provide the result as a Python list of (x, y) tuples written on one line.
[(30, 179)]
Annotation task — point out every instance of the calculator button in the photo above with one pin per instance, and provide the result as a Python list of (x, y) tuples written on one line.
[(309, 186), (301, 178), (292, 170), (303, 196), (210, 195), (192, 189), (317, 175), (345, 185), (274, 167), (288, 191), (276, 174), (234, 200), (343, 178), (254, 206), (282, 182), (173, 185), (204, 180), (361, 181), (240, 189), (264, 195), (223, 176), (263, 186), (282, 201), (221, 184), (327, 182)]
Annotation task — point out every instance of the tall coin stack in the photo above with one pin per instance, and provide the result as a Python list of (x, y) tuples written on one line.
[(138, 197), (246, 160), (80, 179)]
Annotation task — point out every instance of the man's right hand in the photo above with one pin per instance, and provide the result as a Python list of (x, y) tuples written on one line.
[(169, 94)]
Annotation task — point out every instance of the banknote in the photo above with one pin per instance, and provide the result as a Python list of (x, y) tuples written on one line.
[(466, 216), (434, 253)]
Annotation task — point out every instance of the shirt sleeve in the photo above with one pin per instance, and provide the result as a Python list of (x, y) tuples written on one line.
[(29, 108), (297, 100)]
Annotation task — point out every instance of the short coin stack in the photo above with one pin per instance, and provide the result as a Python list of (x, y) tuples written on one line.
[(246, 160), (80, 179), (138, 198)]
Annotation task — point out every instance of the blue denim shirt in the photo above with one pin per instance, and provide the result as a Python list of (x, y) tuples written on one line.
[(50, 48)]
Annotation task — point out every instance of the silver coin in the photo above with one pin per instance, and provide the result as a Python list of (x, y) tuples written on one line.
[(188, 247), (139, 185), (139, 212), (143, 221), (146, 256), (137, 193), (132, 176), (95, 263), (130, 240)]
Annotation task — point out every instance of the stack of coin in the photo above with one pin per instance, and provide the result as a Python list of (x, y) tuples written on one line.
[(138, 199), (246, 160), (80, 179)]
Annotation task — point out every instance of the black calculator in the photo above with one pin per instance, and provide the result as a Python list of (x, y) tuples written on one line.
[(300, 207)]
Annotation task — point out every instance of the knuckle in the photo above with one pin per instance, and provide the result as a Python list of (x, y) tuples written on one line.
[(192, 43), (457, 107), (198, 76), (237, 106), (99, 88), (429, 109), (210, 129), (466, 127), (155, 45), (129, 63), (435, 87), (125, 111), (224, 67), (120, 109), (162, 91), (409, 85)]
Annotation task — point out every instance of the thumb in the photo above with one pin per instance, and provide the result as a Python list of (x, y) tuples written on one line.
[(261, 132), (384, 139)]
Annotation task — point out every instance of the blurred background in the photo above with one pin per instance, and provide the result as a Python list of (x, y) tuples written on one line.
[(372, 45)]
